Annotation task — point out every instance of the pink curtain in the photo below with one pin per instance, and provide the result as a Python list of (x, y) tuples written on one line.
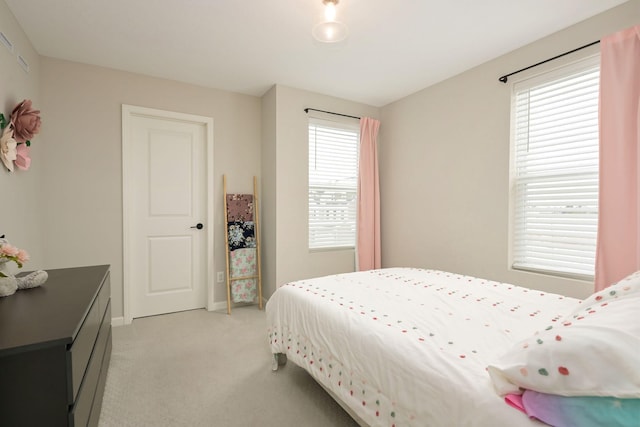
[(618, 248), (368, 245)]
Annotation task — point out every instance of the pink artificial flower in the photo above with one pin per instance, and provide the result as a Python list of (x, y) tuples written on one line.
[(23, 160), (22, 256), (25, 121), (9, 250), (8, 150)]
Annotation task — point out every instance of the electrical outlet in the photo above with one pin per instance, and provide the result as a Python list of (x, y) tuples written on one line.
[(220, 277)]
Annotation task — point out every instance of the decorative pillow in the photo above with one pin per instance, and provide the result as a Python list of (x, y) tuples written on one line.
[(593, 351)]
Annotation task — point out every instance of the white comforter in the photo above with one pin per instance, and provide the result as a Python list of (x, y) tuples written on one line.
[(409, 347)]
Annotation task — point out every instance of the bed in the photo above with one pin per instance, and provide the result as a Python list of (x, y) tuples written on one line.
[(414, 347)]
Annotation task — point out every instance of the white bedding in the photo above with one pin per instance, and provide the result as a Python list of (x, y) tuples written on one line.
[(409, 347)]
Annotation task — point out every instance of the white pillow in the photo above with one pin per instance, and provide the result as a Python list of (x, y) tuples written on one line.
[(593, 351)]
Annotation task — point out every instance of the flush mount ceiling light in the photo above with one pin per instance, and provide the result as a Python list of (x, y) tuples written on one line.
[(330, 30)]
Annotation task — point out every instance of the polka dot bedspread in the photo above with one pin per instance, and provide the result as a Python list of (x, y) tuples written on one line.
[(409, 347)]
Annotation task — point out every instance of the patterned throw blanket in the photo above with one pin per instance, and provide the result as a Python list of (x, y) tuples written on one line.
[(242, 246)]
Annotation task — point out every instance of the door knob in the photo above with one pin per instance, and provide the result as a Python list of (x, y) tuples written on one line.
[(199, 226)]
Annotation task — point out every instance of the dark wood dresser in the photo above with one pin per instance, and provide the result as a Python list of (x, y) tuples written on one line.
[(55, 346)]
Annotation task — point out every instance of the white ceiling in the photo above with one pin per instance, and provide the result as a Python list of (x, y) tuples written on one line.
[(395, 47)]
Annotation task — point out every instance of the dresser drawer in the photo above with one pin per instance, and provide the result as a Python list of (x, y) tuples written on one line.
[(79, 415), (94, 418), (82, 346)]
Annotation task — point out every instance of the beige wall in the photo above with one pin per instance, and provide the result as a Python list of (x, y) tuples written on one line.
[(20, 216), (81, 195), (268, 208), (444, 165), (286, 169)]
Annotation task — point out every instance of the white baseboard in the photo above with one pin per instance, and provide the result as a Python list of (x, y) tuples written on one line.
[(218, 306), (117, 321)]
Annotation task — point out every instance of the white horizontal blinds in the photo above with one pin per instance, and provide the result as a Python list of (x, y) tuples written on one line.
[(556, 170), (333, 184)]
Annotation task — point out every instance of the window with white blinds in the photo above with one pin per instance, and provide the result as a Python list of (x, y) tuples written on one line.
[(555, 170), (333, 184)]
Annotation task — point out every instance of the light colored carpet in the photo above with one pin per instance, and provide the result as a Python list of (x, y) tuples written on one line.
[(199, 368)]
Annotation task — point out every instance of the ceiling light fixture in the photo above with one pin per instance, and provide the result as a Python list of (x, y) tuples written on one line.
[(330, 30)]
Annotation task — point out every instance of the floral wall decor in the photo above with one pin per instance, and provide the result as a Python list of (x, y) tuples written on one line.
[(17, 132)]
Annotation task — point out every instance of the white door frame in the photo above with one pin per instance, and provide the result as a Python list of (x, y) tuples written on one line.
[(129, 111)]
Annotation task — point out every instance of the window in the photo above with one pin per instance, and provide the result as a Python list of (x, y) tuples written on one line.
[(555, 170), (333, 184)]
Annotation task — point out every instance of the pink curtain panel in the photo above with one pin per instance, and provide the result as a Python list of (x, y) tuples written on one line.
[(368, 244), (618, 247)]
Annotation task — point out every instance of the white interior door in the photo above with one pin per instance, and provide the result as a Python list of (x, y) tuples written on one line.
[(167, 192)]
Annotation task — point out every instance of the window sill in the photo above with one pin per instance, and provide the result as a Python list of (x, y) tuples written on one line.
[(332, 249), (559, 274)]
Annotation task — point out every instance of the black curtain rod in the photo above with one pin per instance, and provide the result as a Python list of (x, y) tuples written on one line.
[(504, 78), (306, 110)]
